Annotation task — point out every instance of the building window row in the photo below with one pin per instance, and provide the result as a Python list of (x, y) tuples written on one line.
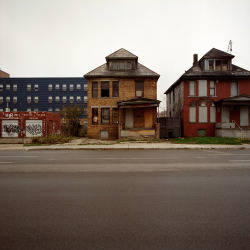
[(203, 88), (203, 114), (216, 65), (7, 86), (106, 89), (64, 99), (64, 87), (105, 115)]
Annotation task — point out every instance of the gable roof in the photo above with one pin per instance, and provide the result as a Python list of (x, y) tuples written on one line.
[(121, 54), (197, 71)]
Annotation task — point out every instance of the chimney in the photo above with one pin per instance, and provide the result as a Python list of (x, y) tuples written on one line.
[(195, 59)]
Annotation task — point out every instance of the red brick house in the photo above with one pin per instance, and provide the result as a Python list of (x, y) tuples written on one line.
[(212, 97), (122, 98)]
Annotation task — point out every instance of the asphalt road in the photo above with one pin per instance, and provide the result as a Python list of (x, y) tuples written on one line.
[(153, 207)]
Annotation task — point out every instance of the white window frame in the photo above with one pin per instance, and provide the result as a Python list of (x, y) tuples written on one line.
[(64, 99), (28, 99), (7, 86), (85, 98), (78, 98), (36, 87), (36, 99), (50, 99), (28, 87), (78, 86), (1, 87), (64, 87), (14, 87), (1, 99), (15, 99), (57, 99), (212, 88), (50, 110), (71, 87), (7, 98), (85, 87), (50, 87), (57, 86), (71, 99), (29, 109)]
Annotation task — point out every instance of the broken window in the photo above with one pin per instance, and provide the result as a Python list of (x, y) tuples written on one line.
[(105, 115), (94, 115), (212, 88), (218, 65), (95, 89), (115, 115), (139, 89), (104, 89), (224, 65), (115, 89), (211, 65)]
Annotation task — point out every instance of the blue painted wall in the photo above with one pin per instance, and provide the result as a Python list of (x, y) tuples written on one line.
[(42, 93)]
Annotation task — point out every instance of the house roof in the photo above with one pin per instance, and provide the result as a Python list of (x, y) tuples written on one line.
[(216, 53), (236, 100), (122, 54), (139, 71), (197, 71)]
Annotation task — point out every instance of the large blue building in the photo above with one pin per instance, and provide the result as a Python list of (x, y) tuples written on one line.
[(42, 94)]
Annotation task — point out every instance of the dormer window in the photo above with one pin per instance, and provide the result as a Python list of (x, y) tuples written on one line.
[(121, 65), (216, 65)]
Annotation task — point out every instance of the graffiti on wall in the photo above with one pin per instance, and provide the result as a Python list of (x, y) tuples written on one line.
[(34, 129), (11, 129)]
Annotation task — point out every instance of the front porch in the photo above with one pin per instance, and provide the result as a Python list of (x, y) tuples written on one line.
[(234, 119), (138, 118)]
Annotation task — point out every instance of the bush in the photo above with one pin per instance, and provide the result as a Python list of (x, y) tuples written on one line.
[(51, 139)]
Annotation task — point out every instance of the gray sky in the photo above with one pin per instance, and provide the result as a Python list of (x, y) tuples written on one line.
[(68, 38)]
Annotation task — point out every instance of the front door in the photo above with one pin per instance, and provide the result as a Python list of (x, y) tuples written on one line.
[(139, 118)]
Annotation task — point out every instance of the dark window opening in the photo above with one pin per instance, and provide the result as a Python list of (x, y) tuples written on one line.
[(115, 89), (94, 89), (139, 89), (94, 115), (105, 89)]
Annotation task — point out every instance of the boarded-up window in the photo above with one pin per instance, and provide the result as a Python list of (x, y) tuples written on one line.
[(192, 114), (218, 65), (115, 89), (94, 89), (244, 116), (202, 87), (105, 115), (234, 89), (212, 114), (115, 115), (192, 88), (139, 89), (94, 115), (224, 65), (104, 89), (212, 88), (203, 114)]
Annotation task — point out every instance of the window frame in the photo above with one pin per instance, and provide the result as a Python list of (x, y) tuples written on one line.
[(94, 115), (115, 121), (138, 88), (212, 88), (105, 90), (115, 90), (94, 89), (104, 117), (192, 86), (237, 88)]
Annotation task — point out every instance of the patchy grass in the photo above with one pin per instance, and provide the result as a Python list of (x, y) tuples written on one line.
[(208, 140), (50, 139)]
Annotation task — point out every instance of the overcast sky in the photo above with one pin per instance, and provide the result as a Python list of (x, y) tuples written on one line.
[(68, 38)]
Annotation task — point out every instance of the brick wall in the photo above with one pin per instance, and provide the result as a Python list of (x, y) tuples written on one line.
[(126, 92), (223, 90), (4, 74)]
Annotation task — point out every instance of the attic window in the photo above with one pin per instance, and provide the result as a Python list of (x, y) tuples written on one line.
[(216, 65), (119, 65)]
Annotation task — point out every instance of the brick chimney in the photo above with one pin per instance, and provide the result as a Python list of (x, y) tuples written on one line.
[(195, 59)]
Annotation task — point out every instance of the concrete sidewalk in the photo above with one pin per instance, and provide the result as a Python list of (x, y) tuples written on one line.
[(122, 146)]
